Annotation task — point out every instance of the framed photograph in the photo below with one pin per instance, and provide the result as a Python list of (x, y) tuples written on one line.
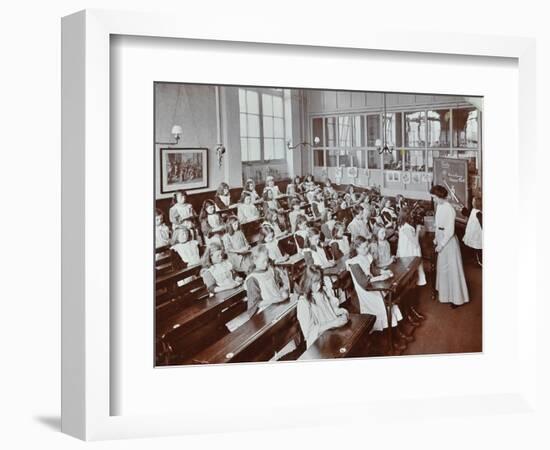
[(111, 386), (183, 169)]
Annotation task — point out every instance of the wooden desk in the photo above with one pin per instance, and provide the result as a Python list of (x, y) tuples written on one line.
[(404, 274), (340, 342), (255, 340)]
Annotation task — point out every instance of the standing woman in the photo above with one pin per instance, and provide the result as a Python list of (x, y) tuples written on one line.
[(450, 281)]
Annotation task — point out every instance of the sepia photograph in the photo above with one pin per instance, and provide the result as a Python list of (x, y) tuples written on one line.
[(297, 224)]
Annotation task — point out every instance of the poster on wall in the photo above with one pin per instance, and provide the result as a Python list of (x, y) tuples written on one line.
[(183, 169)]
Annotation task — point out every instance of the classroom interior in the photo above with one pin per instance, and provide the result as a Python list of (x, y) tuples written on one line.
[(385, 145)]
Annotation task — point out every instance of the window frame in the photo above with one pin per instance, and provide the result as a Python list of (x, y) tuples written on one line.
[(276, 92)]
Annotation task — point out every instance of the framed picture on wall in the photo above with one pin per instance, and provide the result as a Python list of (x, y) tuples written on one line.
[(183, 169)]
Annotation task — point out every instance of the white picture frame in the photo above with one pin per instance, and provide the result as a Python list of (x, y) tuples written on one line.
[(86, 257)]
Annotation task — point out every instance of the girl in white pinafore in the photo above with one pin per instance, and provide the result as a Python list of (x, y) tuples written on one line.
[(408, 244), (370, 302), (473, 236), (450, 280)]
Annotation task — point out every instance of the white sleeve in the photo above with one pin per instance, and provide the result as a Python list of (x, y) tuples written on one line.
[(308, 325), (449, 225)]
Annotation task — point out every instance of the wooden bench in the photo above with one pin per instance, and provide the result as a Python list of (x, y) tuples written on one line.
[(347, 341), (256, 340), (200, 323), (171, 279)]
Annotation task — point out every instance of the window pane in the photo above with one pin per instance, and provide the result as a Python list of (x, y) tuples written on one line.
[(414, 160), (344, 160), (244, 150), (279, 128), (439, 129), (317, 129), (392, 161), (472, 157), (268, 149), (267, 104), (242, 100), (393, 130), (373, 159), (415, 129), (332, 158), (252, 102), (358, 138), (465, 127), (373, 130), (355, 159), (435, 154), (344, 131), (319, 158), (253, 124), (278, 106), (279, 148), (330, 131), (243, 125), (268, 126), (253, 149)]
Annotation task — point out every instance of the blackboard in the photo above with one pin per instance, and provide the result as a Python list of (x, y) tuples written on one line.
[(453, 175)]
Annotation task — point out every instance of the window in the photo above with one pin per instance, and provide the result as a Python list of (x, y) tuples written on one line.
[(373, 129), (262, 124), (415, 129), (465, 128), (393, 129), (439, 128)]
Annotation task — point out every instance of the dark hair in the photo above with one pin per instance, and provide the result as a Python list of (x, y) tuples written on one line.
[(223, 185), (297, 177), (439, 191), (206, 258), (337, 226), (479, 204), (175, 196), (312, 274), (312, 231), (244, 195), (404, 217), (205, 205), (358, 241), (300, 219), (229, 225), (266, 194), (158, 212), (265, 230), (357, 209)]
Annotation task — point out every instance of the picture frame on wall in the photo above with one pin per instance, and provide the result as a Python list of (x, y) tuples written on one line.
[(183, 169), (111, 391)]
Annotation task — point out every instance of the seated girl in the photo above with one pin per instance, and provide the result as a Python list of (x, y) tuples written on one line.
[(328, 189), (250, 188), (388, 214), (315, 252), (358, 226), (371, 302), (269, 200), (271, 186), (211, 223), (162, 232), (295, 211), (312, 194), (182, 213), (409, 243), (318, 204), (383, 257), (317, 309), (308, 184), (263, 285), (301, 233), (273, 219), (294, 189), (217, 271), (222, 199), (328, 224), (247, 211), (339, 244), (353, 196), (186, 247), (236, 246), (269, 239)]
